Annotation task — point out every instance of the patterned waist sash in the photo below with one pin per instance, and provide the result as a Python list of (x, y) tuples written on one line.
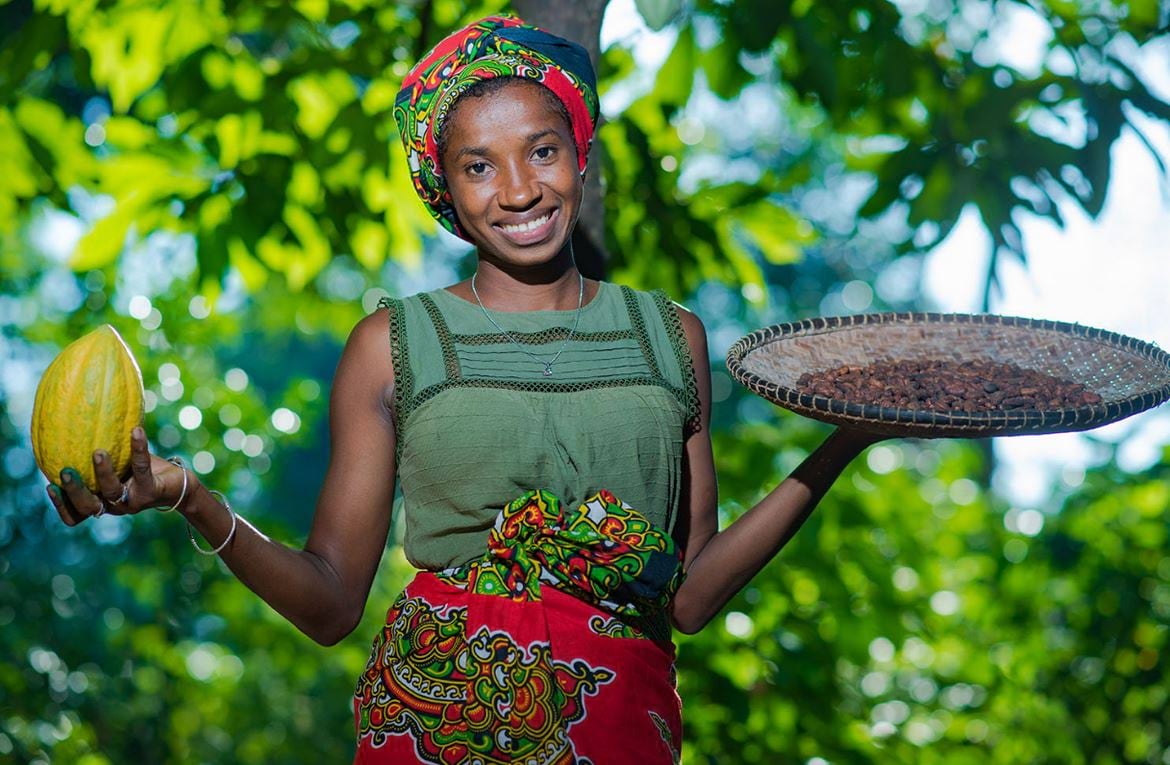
[(525, 654), (604, 552)]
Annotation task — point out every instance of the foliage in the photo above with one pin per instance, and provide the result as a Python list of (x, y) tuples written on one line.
[(917, 619), (262, 131), (229, 176), (923, 103), (122, 644)]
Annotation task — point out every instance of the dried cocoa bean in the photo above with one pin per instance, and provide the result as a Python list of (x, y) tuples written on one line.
[(1015, 402), (939, 385)]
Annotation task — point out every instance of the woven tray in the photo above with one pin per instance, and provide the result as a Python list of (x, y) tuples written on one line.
[(1128, 374)]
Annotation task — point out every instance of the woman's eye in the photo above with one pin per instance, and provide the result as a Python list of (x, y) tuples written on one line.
[(477, 168), (544, 152)]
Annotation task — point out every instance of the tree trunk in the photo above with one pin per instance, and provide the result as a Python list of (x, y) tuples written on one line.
[(580, 22)]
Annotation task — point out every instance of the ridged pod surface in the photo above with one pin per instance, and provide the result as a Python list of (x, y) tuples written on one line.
[(89, 398)]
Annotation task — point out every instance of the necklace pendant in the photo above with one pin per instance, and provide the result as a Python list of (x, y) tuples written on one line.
[(547, 371)]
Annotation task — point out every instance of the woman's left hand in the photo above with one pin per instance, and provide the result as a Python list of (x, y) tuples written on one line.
[(153, 483)]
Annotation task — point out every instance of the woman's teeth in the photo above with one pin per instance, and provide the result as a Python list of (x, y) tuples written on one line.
[(529, 226)]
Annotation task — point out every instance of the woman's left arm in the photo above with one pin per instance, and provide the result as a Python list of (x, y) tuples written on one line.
[(720, 563)]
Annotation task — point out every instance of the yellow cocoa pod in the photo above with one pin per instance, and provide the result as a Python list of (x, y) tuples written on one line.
[(89, 398)]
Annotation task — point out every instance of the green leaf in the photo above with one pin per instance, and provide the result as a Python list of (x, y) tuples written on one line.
[(304, 264), (130, 45), (319, 98), (658, 13), (725, 75), (304, 187), (17, 166), (128, 133), (779, 235), (238, 136), (253, 274), (369, 241), (675, 80), (102, 244)]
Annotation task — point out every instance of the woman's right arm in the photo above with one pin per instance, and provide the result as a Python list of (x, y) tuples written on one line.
[(322, 588)]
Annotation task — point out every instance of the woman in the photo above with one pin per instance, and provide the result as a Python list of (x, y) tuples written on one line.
[(557, 421)]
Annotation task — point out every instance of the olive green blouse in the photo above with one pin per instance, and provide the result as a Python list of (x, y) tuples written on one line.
[(479, 423)]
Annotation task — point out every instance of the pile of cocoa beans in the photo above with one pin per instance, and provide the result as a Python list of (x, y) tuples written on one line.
[(947, 386)]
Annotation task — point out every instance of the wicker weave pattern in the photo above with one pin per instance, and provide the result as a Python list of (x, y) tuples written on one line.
[(1130, 375)]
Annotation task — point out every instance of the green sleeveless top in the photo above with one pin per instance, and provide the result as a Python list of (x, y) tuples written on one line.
[(479, 424)]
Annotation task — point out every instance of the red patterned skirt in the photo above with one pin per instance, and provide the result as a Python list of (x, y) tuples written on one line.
[(531, 653)]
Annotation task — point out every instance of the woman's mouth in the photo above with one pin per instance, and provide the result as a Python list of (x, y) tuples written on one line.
[(529, 232)]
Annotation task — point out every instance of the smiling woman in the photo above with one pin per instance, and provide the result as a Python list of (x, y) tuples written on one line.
[(550, 397), (550, 436), (565, 396)]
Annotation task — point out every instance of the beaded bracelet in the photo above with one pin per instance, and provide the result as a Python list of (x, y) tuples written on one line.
[(231, 532)]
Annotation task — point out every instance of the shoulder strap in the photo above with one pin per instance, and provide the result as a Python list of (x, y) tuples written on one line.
[(641, 333), (668, 312), (443, 333), (399, 355)]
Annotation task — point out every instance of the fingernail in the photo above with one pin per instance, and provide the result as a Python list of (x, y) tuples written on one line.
[(66, 476), (139, 433), (54, 493), (98, 458)]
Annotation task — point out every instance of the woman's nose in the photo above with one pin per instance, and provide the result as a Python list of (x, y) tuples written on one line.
[(520, 189)]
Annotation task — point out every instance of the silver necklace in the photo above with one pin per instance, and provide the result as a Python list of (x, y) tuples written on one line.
[(548, 370)]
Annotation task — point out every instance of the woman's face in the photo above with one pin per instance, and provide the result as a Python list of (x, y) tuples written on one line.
[(511, 167)]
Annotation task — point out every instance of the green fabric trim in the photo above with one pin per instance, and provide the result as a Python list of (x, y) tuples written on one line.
[(549, 335), (682, 351), (399, 358), (450, 359), (540, 386), (638, 324)]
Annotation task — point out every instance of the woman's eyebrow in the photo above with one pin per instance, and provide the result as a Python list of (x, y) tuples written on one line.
[(534, 137), (478, 151)]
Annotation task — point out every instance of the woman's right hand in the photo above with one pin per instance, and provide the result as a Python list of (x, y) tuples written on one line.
[(153, 482)]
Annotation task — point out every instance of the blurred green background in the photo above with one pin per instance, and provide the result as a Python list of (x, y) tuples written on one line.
[(221, 181)]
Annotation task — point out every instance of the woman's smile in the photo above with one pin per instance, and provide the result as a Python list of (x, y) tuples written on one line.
[(531, 229)]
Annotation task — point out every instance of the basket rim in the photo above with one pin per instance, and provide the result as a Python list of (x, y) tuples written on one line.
[(953, 422)]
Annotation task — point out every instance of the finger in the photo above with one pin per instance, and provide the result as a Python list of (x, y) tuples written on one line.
[(109, 485), (140, 459), (68, 515), (84, 501)]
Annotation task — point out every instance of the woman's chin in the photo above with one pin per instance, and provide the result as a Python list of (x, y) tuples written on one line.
[(539, 254)]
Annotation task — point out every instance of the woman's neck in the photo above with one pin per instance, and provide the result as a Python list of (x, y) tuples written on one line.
[(501, 290)]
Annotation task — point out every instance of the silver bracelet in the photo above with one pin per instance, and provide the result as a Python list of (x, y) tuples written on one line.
[(177, 461), (231, 532)]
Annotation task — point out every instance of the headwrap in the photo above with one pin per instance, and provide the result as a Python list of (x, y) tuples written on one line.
[(496, 46)]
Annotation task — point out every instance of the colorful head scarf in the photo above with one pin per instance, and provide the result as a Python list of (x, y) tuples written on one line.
[(495, 46)]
